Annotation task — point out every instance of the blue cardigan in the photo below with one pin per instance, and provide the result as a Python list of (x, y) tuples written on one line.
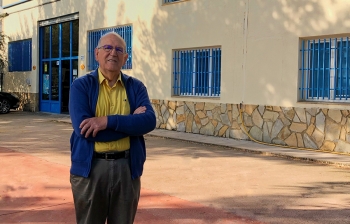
[(82, 105)]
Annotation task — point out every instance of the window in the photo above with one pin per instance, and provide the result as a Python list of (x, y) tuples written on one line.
[(169, 1), (94, 36), (325, 69), (20, 56), (10, 3), (197, 72)]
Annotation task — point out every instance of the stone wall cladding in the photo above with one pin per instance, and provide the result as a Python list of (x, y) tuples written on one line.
[(28, 101), (313, 128)]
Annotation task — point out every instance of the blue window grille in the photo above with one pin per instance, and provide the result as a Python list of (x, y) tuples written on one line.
[(94, 36), (197, 72), (325, 69), (169, 1), (20, 56)]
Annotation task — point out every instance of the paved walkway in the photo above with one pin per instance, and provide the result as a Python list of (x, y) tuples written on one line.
[(37, 191), (34, 185)]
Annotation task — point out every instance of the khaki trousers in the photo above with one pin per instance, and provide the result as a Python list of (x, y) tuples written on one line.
[(108, 194)]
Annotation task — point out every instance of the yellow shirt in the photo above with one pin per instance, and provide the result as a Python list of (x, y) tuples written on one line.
[(112, 100)]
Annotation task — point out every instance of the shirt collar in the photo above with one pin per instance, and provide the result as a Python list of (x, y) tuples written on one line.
[(101, 78)]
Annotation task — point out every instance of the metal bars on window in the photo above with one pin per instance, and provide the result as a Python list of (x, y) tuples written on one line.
[(20, 56), (197, 72), (170, 1), (94, 36), (325, 69)]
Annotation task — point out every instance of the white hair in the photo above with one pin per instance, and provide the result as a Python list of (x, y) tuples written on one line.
[(112, 33)]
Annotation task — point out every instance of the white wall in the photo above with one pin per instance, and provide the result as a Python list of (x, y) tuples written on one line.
[(259, 40)]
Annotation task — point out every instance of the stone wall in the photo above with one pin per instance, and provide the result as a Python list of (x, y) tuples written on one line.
[(314, 128), (28, 101)]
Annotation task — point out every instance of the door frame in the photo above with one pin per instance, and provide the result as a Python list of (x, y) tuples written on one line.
[(47, 104)]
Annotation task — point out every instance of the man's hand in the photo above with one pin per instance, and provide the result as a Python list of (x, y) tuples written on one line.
[(140, 110), (93, 126)]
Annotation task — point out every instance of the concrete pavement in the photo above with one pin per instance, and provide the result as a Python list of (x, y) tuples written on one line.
[(34, 182), (34, 190)]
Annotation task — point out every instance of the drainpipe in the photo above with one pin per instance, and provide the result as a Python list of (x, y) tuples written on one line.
[(245, 47)]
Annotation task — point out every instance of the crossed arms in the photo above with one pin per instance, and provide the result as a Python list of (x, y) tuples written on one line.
[(111, 127), (95, 124)]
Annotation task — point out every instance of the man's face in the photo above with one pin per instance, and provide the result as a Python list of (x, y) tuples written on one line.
[(112, 61)]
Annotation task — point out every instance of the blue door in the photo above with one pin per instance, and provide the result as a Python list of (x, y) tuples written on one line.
[(59, 46)]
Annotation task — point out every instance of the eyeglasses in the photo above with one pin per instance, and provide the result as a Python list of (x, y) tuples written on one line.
[(109, 48)]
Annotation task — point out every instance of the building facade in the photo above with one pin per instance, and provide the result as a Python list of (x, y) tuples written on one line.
[(275, 72)]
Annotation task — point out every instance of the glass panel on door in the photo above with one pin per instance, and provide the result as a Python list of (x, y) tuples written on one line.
[(55, 41), (65, 85), (75, 38), (65, 39), (75, 69), (46, 42), (55, 80), (46, 81)]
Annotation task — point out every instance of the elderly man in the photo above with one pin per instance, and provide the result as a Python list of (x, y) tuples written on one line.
[(110, 113)]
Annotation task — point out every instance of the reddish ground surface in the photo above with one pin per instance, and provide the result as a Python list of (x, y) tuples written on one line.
[(33, 190)]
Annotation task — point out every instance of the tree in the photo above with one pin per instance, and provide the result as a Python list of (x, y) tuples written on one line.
[(3, 58)]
